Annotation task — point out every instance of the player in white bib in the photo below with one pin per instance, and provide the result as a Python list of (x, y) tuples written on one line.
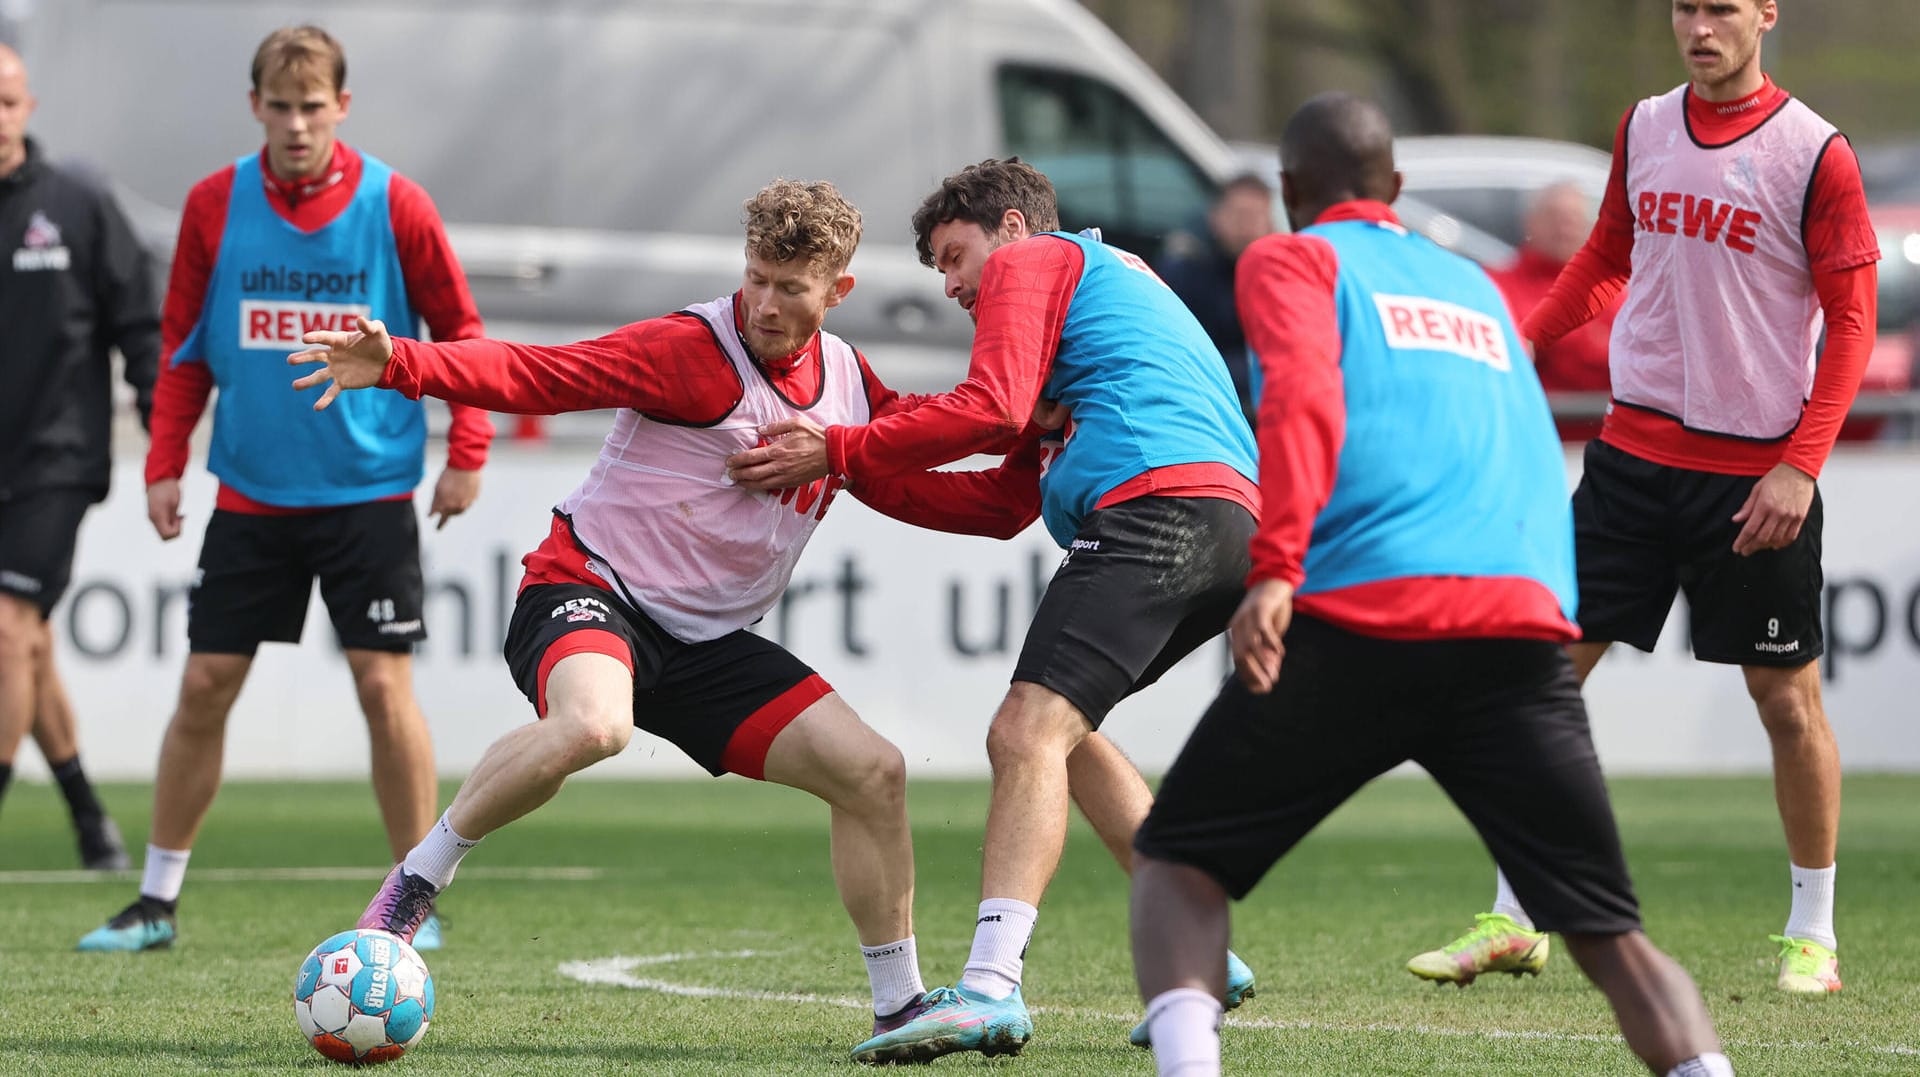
[(1738, 214), (634, 611)]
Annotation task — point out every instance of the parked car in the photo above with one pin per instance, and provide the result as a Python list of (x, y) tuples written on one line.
[(1468, 194), (1897, 345), (1890, 172), (590, 158), (1487, 182)]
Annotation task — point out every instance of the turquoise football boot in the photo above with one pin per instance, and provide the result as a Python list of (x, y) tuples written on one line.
[(953, 1019), (143, 925), (1239, 989)]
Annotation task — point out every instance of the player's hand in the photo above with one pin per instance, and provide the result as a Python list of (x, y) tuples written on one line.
[(353, 360), (454, 494), (163, 508), (1774, 510), (796, 454), (1050, 414), (1257, 632)]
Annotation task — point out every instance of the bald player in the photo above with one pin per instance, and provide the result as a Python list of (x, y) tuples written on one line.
[(1402, 606), (74, 286)]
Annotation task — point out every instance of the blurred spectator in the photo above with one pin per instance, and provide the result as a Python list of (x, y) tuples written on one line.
[(1199, 269), (529, 428), (1558, 220)]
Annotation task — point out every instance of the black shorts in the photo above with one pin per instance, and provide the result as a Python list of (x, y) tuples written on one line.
[(1498, 723), (1644, 530), (722, 701), (256, 576), (38, 531), (1144, 583)]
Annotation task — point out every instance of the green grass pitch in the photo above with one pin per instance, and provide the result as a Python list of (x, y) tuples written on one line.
[(737, 959)]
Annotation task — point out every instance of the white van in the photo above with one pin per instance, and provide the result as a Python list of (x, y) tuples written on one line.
[(590, 156)]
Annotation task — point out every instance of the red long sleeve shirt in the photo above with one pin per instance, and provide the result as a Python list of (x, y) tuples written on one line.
[(436, 289), (998, 502), (1021, 310), (1841, 250), (1284, 287), (667, 368), (1025, 289)]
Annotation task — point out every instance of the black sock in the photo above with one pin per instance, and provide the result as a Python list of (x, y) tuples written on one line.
[(79, 792), (158, 905), (6, 775)]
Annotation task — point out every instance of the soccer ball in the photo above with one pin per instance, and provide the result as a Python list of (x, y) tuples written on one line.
[(363, 996)]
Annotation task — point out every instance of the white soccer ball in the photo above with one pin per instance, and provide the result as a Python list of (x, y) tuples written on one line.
[(363, 996)]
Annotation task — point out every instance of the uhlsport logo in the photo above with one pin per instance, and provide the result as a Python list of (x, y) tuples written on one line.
[(284, 303), (40, 249), (1078, 545)]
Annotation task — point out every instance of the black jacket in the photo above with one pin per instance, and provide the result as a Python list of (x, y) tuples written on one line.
[(74, 284)]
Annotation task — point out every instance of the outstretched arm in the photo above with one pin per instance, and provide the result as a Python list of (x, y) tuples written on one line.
[(665, 368), (998, 502)]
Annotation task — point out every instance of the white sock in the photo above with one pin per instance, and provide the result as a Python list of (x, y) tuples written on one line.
[(164, 871), (1185, 1026), (1708, 1065), (1505, 902), (999, 947), (1812, 914), (893, 971), (438, 855)]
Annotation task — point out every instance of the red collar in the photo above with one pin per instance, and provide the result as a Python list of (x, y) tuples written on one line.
[(1360, 209), (1719, 122), (1722, 111), (294, 191)]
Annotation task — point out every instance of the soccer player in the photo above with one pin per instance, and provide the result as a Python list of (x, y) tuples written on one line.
[(635, 610), (74, 287), (1153, 495), (1402, 605), (305, 232), (1738, 214)]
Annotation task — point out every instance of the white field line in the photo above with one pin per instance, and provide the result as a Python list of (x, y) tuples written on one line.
[(251, 875), (617, 971)]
